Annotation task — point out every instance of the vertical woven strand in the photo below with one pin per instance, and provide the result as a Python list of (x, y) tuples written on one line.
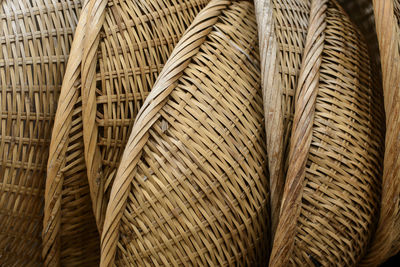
[(301, 135), (96, 16), (272, 99), (68, 234)]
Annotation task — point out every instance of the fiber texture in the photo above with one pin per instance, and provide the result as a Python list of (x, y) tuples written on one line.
[(192, 186), (386, 241), (119, 51), (332, 187), (35, 41), (282, 29)]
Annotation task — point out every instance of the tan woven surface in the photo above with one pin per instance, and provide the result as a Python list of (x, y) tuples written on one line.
[(120, 49), (192, 188), (386, 241), (282, 28), (134, 42), (330, 200), (35, 40), (70, 236)]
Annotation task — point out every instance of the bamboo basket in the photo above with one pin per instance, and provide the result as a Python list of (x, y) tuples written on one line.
[(35, 41), (331, 193), (386, 241), (192, 186), (121, 48), (282, 27)]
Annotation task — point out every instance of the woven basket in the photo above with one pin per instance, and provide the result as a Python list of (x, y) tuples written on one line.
[(122, 47), (192, 187), (331, 194), (386, 241), (35, 40), (282, 27)]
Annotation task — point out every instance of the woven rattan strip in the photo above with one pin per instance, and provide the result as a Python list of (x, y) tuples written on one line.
[(282, 27), (35, 40), (331, 193), (386, 241), (134, 43), (192, 188)]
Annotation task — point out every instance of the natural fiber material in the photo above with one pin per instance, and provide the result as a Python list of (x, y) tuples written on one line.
[(192, 188), (282, 28), (361, 12), (118, 58), (130, 47), (120, 49), (331, 193), (70, 236), (35, 41), (386, 241)]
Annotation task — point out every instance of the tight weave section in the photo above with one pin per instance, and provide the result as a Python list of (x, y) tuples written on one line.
[(192, 188), (386, 241), (282, 28), (330, 200), (35, 41)]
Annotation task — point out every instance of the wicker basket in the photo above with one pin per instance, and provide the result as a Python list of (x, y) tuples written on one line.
[(192, 186), (331, 194), (126, 45), (386, 241), (35, 40), (282, 27)]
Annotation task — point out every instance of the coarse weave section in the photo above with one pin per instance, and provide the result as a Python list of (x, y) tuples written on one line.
[(192, 186), (134, 41), (332, 188), (386, 241), (282, 29), (35, 41)]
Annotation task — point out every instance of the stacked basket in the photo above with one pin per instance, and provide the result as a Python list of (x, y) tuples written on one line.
[(332, 167), (199, 132), (35, 41)]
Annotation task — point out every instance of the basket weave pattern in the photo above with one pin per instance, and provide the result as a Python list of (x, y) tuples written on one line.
[(192, 188), (135, 41), (35, 40), (119, 50), (282, 28), (332, 187), (70, 236)]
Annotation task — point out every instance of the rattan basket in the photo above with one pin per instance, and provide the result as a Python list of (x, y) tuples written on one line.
[(120, 50), (386, 241), (331, 193), (192, 186), (35, 40)]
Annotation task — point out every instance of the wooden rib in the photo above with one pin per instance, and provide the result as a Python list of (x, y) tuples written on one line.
[(272, 98), (301, 135)]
